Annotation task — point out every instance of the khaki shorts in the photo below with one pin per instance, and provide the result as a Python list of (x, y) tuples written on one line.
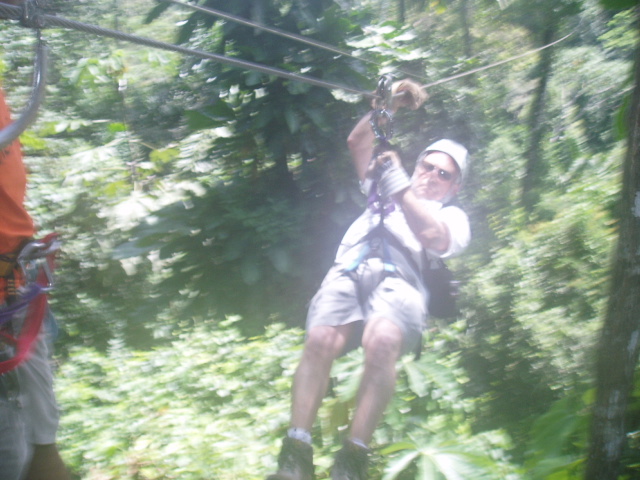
[(347, 297)]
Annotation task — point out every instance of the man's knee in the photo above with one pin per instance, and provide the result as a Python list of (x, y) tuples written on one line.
[(325, 342), (382, 341)]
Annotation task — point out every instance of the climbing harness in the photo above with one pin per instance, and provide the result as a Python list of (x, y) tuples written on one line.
[(34, 263), (381, 121)]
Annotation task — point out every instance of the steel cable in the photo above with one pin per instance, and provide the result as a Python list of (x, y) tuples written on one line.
[(41, 20), (44, 21), (331, 48), (280, 33)]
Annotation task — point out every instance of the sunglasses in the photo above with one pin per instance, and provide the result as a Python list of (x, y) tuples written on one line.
[(442, 174)]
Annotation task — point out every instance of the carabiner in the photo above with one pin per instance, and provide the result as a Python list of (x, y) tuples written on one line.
[(381, 119), (383, 131), (36, 258), (13, 131), (383, 93)]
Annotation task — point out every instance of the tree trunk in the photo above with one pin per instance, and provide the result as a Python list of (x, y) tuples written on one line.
[(535, 169), (466, 31), (402, 11), (619, 342)]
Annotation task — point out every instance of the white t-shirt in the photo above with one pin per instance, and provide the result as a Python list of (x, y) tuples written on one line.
[(452, 216)]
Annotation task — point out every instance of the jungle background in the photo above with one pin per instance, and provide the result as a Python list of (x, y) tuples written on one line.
[(200, 205)]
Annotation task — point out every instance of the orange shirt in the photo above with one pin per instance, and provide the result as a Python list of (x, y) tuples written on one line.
[(15, 223)]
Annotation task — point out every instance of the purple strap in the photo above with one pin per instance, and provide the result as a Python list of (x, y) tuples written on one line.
[(374, 202), (6, 314)]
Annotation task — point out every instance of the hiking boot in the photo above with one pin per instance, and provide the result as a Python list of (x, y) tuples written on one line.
[(295, 461), (351, 463)]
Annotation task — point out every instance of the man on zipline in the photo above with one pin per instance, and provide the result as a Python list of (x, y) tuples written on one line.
[(28, 410), (374, 295)]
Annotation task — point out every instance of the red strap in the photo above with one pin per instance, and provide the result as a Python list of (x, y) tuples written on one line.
[(32, 322), (30, 332)]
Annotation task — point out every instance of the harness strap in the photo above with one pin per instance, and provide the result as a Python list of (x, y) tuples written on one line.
[(370, 244), (33, 298), (29, 333)]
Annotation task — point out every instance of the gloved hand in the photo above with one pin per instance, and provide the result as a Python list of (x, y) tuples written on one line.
[(388, 171), (414, 95)]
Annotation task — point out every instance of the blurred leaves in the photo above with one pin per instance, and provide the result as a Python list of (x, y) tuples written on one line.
[(183, 411)]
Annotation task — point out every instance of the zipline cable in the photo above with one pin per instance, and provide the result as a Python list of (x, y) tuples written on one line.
[(495, 64), (331, 48), (44, 20), (260, 26), (279, 32)]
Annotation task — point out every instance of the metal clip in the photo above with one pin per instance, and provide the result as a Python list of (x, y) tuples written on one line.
[(384, 95), (381, 119), (33, 257), (383, 130), (31, 17)]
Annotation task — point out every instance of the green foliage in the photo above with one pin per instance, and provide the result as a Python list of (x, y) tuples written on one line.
[(187, 411), (427, 431), (214, 404), (558, 438), (244, 243)]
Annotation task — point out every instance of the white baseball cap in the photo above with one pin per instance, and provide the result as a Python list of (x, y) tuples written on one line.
[(454, 150)]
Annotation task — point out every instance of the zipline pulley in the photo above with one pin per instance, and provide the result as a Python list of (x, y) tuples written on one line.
[(31, 10)]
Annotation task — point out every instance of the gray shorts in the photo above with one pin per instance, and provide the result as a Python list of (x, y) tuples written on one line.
[(358, 296), (39, 402), (28, 413), (15, 451)]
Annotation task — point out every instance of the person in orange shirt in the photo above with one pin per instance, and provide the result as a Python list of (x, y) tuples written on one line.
[(28, 410), (15, 223)]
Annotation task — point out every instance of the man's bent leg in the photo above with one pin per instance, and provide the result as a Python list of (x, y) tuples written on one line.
[(382, 342), (324, 344)]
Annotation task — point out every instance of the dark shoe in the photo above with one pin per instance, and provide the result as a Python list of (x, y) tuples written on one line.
[(352, 463), (295, 461)]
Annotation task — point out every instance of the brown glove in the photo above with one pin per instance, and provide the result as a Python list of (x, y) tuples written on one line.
[(414, 95)]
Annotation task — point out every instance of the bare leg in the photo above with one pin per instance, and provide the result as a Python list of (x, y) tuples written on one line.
[(46, 464), (324, 344), (382, 342)]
